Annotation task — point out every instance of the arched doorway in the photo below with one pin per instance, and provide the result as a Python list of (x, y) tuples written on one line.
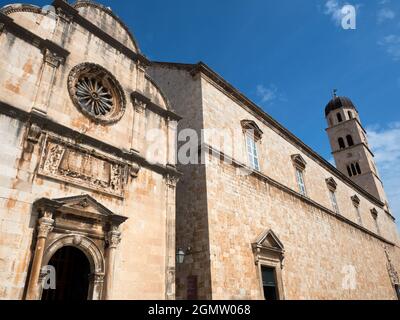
[(72, 275)]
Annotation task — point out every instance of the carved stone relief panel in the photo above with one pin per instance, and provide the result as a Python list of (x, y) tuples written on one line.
[(73, 164)]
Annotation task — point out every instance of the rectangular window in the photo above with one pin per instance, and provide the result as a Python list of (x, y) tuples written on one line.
[(333, 200), (269, 283), (252, 152), (300, 181)]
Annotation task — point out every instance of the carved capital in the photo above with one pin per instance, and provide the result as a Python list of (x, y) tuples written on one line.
[(171, 180), (63, 16), (45, 227), (134, 170), (33, 136), (1, 28), (52, 59), (97, 277), (113, 238), (139, 105)]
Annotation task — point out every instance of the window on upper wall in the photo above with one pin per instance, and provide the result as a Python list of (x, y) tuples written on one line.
[(374, 214), (339, 117), (341, 143), (300, 165), (335, 206), (350, 140), (331, 183), (356, 204), (252, 152), (253, 135)]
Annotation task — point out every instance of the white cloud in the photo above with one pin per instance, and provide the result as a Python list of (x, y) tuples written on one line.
[(267, 94), (333, 9), (386, 147), (391, 43), (385, 14)]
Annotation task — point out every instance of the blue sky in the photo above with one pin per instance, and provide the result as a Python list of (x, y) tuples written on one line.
[(287, 56)]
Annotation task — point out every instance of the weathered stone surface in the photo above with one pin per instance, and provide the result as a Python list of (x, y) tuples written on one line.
[(220, 213), (108, 162)]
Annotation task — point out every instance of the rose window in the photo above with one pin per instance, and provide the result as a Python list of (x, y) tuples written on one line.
[(94, 97), (96, 93)]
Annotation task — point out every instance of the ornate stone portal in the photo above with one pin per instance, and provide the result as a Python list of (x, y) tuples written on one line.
[(83, 223)]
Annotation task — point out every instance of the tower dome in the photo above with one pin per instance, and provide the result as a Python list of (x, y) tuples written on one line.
[(337, 103)]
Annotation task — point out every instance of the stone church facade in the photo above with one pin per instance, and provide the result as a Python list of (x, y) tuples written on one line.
[(91, 185), (76, 104)]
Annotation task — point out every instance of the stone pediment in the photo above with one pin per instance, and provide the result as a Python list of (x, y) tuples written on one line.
[(269, 241), (84, 206), (299, 161)]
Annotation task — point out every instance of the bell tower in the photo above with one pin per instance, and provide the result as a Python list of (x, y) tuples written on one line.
[(350, 148)]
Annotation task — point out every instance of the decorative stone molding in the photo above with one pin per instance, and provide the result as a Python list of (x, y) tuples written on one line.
[(52, 58), (114, 238), (394, 276), (70, 163), (33, 137), (64, 15), (298, 161), (251, 126), (374, 213), (134, 170), (331, 183), (171, 180), (1, 28), (356, 200), (138, 105), (45, 226), (96, 93), (268, 246)]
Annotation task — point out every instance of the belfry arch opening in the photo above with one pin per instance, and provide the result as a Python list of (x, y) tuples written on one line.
[(72, 272)]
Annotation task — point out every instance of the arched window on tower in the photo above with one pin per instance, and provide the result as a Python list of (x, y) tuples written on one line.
[(350, 140), (341, 143), (349, 171), (339, 117), (350, 114), (354, 169), (358, 168)]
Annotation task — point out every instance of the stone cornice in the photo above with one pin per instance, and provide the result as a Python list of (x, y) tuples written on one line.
[(272, 182), (77, 18), (47, 124), (168, 114), (32, 38), (221, 84)]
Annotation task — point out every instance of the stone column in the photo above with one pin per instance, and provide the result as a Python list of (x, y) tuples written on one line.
[(139, 125), (170, 238), (113, 239), (50, 64), (45, 226), (172, 127)]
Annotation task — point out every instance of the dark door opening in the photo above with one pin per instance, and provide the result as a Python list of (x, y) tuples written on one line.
[(269, 283), (72, 275)]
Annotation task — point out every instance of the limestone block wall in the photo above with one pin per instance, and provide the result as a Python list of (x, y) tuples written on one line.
[(275, 150), (320, 247), (320, 250)]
